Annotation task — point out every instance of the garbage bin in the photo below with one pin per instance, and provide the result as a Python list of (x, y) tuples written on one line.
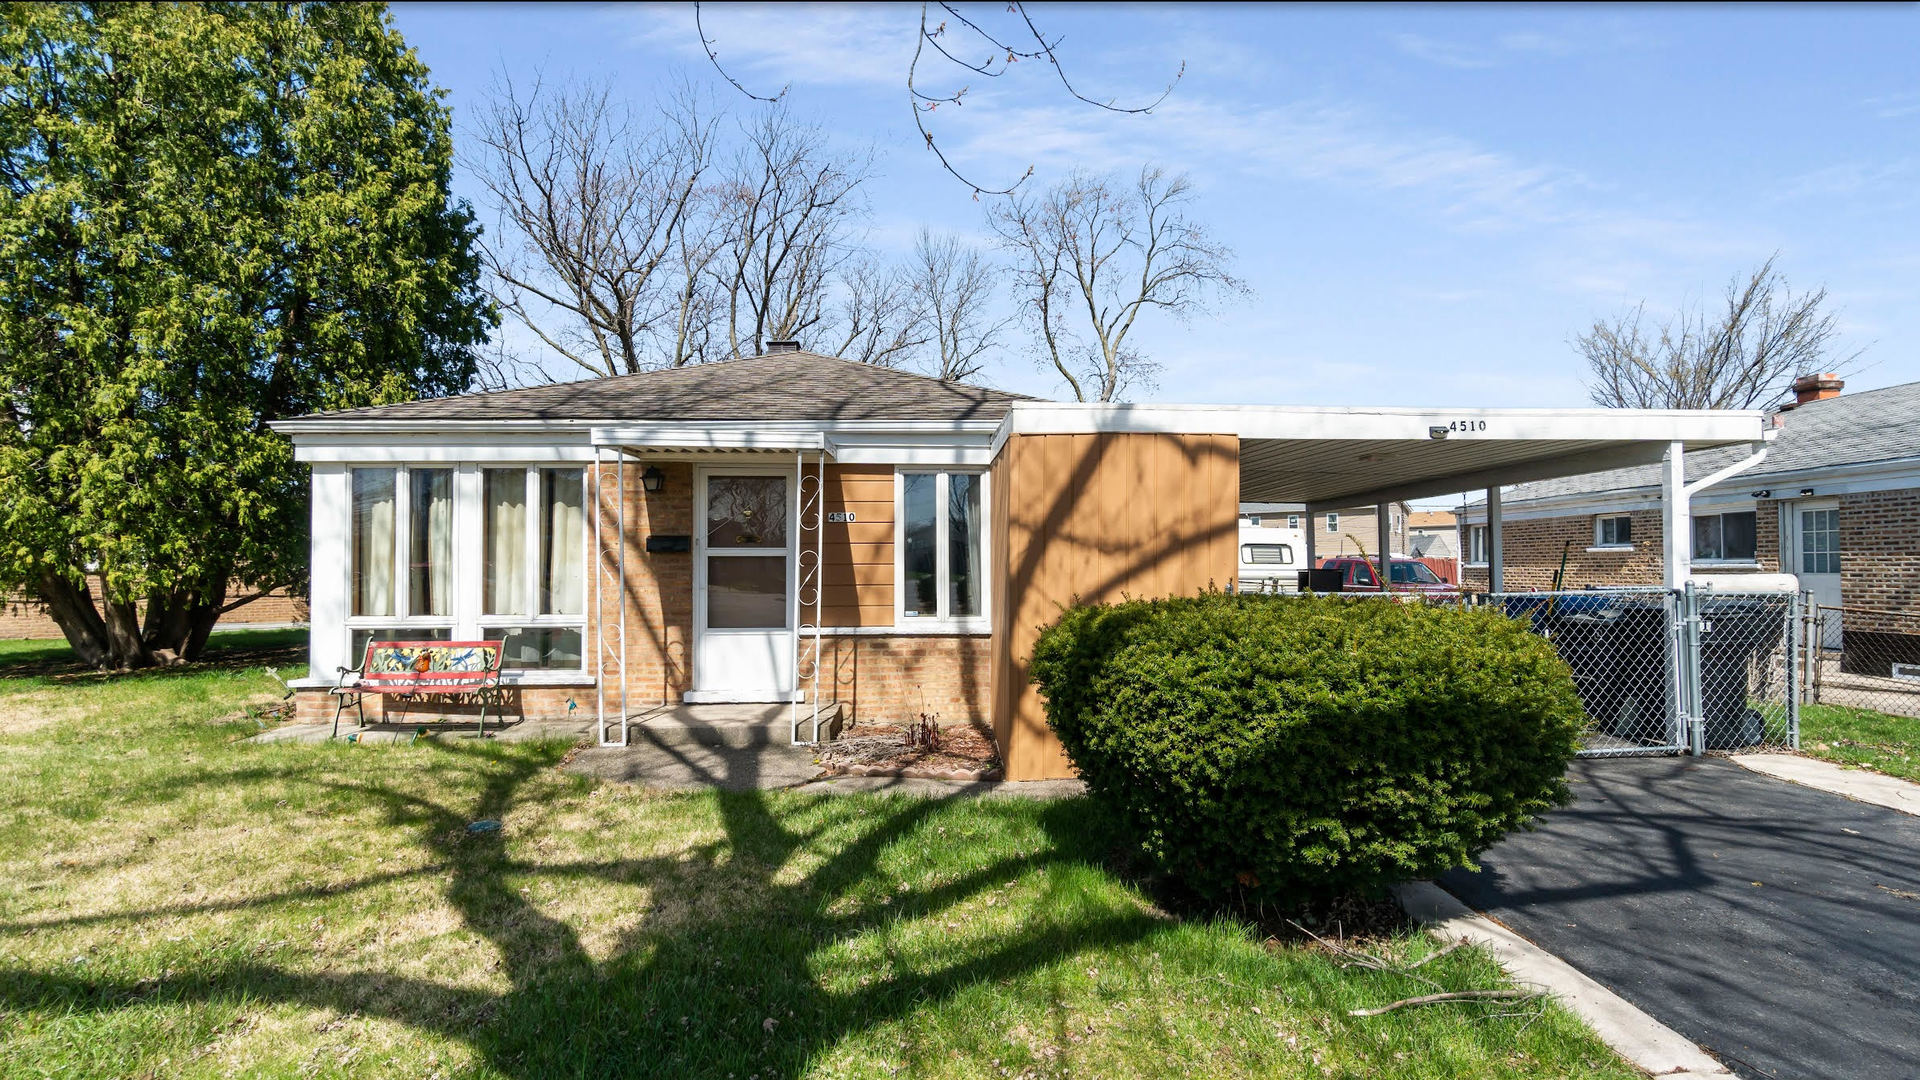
[(1733, 630), (1618, 656)]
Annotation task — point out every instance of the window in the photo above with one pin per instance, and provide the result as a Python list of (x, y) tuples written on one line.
[(1266, 554), (1476, 543), (940, 539), (1820, 541), (1333, 523), (1613, 530), (533, 577), (1360, 573), (1250, 519), (1293, 521), (1724, 537), (1413, 573), (403, 563)]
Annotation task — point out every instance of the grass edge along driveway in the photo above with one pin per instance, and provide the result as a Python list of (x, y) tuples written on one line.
[(177, 902)]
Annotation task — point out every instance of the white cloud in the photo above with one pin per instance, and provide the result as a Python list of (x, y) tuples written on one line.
[(784, 44), (1444, 53)]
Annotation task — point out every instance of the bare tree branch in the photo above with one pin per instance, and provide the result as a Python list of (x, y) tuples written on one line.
[(1744, 356), (707, 43), (953, 291), (1109, 254), (876, 312)]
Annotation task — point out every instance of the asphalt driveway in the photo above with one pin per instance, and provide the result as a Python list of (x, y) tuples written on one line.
[(1776, 925)]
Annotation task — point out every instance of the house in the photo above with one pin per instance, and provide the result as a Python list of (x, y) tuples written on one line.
[(1431, 534), (798, 528), (1836, 501)]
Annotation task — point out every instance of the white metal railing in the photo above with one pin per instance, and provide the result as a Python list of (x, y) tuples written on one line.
[(610, 651), (808, 586)]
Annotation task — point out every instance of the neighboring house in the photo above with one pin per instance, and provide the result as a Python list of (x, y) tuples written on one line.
[(797, 527), (1836, 502), (26, 617), (1432, 534), (1354, 530)]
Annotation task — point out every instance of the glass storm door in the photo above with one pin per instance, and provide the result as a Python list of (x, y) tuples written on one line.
[(1815, 547), (743, 588)]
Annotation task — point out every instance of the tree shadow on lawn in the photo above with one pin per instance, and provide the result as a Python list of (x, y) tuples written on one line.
[(690, 990)]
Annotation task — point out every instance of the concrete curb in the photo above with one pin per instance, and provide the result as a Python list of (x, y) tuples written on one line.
[(1860, 785), (1634, 1035)]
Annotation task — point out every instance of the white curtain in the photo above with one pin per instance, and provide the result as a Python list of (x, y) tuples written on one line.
[(563, 586), (506, 571), (431, 584), (373, 541)]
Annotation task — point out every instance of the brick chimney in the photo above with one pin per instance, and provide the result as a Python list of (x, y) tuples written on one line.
[(1815, 388)]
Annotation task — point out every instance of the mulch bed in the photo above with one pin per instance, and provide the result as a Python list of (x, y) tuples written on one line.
[(965, 753)]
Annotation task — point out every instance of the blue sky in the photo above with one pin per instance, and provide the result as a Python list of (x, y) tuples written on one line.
[(1427, 203)]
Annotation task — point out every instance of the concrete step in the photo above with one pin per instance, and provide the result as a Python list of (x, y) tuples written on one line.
[(735, 726)]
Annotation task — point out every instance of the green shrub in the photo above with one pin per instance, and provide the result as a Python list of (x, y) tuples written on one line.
[(1300, 746)]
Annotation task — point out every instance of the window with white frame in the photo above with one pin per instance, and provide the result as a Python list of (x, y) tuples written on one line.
[(1820, 541), (1726, 537), (1333, 523), (533, 574), (402, 555), (1293, 521), (941, 539), (1476, 543), (1613, 530)]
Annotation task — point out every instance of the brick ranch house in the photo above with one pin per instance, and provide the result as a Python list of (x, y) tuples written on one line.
[(798, 528), (1836, 502)]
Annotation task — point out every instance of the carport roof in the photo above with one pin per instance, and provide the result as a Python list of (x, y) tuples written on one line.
[(1338, 457)]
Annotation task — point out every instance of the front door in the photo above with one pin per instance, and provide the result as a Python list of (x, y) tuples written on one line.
[(1813, 547), (743, 587)]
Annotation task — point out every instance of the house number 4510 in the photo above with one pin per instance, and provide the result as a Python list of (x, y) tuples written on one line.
[(840, 517)]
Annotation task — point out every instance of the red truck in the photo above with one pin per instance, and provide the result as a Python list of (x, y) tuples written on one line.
[(1361, 575)]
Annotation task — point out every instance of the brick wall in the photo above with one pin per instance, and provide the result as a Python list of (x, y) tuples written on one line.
[(25, 617), (1533, 549), (891, 679), (1880, 560)]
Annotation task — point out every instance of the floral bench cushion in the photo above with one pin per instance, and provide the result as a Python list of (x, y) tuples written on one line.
[(425, 667)]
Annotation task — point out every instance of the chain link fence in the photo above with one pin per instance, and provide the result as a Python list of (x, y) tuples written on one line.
[(1663, 672), (1861, 658)]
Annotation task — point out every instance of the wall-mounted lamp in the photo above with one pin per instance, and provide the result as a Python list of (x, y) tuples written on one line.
[(653, 479), (1762, 493), (1806, 491)]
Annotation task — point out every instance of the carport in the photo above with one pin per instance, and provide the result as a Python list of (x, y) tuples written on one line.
[(1096, 502)]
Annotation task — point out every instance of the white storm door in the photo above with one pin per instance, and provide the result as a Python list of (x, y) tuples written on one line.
[(1814, 554), (743, 549)]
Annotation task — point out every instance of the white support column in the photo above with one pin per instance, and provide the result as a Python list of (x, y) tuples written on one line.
[(1496, 549), (1383, 534), (330, 588), (1676, 517)]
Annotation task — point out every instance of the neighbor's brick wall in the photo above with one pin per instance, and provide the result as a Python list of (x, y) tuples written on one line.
[(24, 617), (1880, 560), (1533, 548)]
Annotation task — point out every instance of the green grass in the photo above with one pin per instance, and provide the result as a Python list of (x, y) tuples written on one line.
[(30, 656), (175, 901), (1862, 737)]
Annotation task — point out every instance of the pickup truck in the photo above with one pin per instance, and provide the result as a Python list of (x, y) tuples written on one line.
[(1359, 575)]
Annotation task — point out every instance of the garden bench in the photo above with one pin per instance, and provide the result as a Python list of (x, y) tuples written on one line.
[(468, 671)]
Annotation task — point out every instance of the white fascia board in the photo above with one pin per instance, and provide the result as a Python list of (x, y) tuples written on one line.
[(508, 445), (1697, 428), (1895, 475), (730, 436), (855, 442)]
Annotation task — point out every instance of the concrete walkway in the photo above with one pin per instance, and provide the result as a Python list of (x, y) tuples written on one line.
[(1775, 925), (1859, 785), (694, 766)]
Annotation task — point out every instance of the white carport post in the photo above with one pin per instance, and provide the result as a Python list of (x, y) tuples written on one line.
[(1496, 579), (1676, 517)]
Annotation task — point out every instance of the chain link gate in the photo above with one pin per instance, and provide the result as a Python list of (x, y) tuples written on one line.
[(1673, 671)]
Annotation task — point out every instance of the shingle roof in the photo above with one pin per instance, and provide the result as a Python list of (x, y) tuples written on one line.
[(776, 386), (1852, 429)]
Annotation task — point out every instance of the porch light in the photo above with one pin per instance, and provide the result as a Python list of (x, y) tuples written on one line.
[(652, 480)]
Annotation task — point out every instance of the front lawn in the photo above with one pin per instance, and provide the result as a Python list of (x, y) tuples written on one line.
[(1871, 740), (177, 902)]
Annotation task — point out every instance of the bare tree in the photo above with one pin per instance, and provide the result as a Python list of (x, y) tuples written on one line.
[(793, 202), (1092, 256), (953, 292), (591, 202), (876, 316), (1741, 356)]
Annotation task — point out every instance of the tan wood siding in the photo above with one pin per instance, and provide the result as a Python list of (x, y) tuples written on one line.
[(1090, 519), (857, 556)]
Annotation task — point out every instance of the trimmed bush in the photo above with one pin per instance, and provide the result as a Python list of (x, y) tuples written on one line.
[(1299, 747)]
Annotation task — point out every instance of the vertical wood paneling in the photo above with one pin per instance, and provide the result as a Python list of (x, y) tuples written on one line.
[(1095, 518), (857, 557)]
